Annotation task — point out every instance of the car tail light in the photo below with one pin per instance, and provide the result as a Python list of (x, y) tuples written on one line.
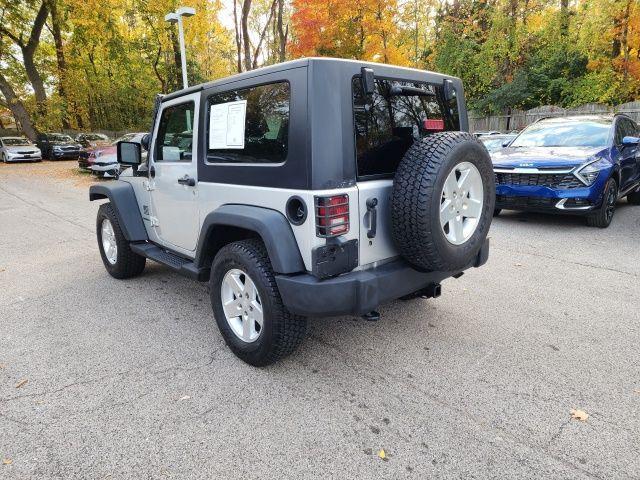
[(332, 215), (433, 124)]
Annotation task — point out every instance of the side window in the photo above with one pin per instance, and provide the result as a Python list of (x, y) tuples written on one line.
[(625, 128), (266, 125), (174, 142)]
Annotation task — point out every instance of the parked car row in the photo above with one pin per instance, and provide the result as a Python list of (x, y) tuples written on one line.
[(573, 165), (95, 152)]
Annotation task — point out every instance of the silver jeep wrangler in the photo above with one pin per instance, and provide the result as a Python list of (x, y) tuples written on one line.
[(314, 187)]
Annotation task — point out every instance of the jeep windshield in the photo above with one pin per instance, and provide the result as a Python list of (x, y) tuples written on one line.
[(397, 114), (588, 133)]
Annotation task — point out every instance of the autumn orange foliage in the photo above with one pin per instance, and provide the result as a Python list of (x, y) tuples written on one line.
[(362, 29)]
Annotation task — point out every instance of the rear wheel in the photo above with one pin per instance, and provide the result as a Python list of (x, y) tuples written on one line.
[(602, 217), (118, 258), (443, 201), (248, 308)]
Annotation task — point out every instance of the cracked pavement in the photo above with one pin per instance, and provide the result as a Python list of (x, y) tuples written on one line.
[(129, 379)]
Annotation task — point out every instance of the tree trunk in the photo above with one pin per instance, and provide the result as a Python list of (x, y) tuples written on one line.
[(237, 31), (283, 32), (62, 64), (256, 52), (28, 53), (564, 17), (17, 108), (246, 7)]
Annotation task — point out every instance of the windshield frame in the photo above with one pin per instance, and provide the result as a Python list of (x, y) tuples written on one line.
[(608, 142)]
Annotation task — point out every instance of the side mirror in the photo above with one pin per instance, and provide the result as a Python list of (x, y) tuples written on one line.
[(368, 81), (630, 141), (449, 90), (146, 139), (129, 153)]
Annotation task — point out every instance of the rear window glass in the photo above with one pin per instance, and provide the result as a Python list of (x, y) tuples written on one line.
[(386, 125)]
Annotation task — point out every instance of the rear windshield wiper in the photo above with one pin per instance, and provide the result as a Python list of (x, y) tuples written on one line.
[(397, 90)]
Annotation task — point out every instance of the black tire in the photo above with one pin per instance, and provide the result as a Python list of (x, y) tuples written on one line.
[(281, 332), (634, 198), (4, 158), (128, 263), (496, 211), (602, 217), (416, 199)]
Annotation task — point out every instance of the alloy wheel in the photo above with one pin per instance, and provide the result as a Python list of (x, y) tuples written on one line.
[(461, 203), (242, 305), (109, 244)]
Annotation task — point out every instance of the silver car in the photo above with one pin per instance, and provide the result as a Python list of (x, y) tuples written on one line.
[(19, 149), (105, 163)]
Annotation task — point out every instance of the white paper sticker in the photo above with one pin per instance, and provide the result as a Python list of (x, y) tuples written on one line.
[(226, 125)]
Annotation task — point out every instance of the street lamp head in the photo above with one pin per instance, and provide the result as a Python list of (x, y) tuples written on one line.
[(186, 11), (171, 17)]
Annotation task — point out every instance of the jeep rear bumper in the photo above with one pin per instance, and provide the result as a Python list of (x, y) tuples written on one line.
[(360, 292)]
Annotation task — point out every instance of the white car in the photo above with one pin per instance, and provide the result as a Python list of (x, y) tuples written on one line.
[(105, 162), (17, 149)]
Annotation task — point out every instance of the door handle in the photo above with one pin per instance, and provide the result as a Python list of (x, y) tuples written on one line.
[(187, 180), (372, 203), (152, 172)]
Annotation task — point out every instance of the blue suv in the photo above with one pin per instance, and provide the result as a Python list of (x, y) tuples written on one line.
[(577, 165)]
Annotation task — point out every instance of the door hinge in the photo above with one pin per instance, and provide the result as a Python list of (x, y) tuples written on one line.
[(154, 221)]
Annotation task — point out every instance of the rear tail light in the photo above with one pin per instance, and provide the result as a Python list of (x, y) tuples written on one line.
[(433, 125), (332, 215)]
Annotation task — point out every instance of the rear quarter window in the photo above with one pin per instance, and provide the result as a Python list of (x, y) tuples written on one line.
[(266, 129), (387, 125)]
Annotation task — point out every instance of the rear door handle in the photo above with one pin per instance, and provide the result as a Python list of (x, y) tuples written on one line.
[(372, 203), (187, 180)]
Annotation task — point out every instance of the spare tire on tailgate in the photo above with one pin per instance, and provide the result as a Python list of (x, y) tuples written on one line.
[(443, 201)]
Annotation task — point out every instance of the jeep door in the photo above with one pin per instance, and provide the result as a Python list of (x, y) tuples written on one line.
[(173, 174)]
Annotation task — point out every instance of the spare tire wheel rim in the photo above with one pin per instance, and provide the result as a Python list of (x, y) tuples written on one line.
[(461, 203), (241, 305), (109, 244)]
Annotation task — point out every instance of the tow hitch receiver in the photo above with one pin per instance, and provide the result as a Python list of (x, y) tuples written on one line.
[(433, 290)]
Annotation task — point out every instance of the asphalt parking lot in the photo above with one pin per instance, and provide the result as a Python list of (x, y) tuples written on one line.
[(101, 378)]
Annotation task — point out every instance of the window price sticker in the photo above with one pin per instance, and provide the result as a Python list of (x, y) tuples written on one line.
[(226, 125)]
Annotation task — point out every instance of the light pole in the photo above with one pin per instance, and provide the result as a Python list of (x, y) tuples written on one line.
[(176, 17)]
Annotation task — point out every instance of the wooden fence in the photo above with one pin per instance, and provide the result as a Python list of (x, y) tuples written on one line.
[(518, 119)]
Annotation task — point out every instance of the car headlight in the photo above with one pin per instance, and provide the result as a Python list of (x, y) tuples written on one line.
[(589, 172)]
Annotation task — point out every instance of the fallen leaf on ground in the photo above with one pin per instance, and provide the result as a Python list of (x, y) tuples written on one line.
[(579, 415), (21, 383), (518, 264), (382, 455), (637, 390), (186, 397), (7, 461)]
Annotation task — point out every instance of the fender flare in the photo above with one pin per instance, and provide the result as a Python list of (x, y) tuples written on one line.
[(124, 202), (271, 225)]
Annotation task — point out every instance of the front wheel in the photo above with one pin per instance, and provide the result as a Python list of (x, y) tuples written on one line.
[(248, 308), (602, 217), (118, 258)]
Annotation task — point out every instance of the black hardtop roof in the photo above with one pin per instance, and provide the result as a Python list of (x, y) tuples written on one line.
[(301, 62)]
